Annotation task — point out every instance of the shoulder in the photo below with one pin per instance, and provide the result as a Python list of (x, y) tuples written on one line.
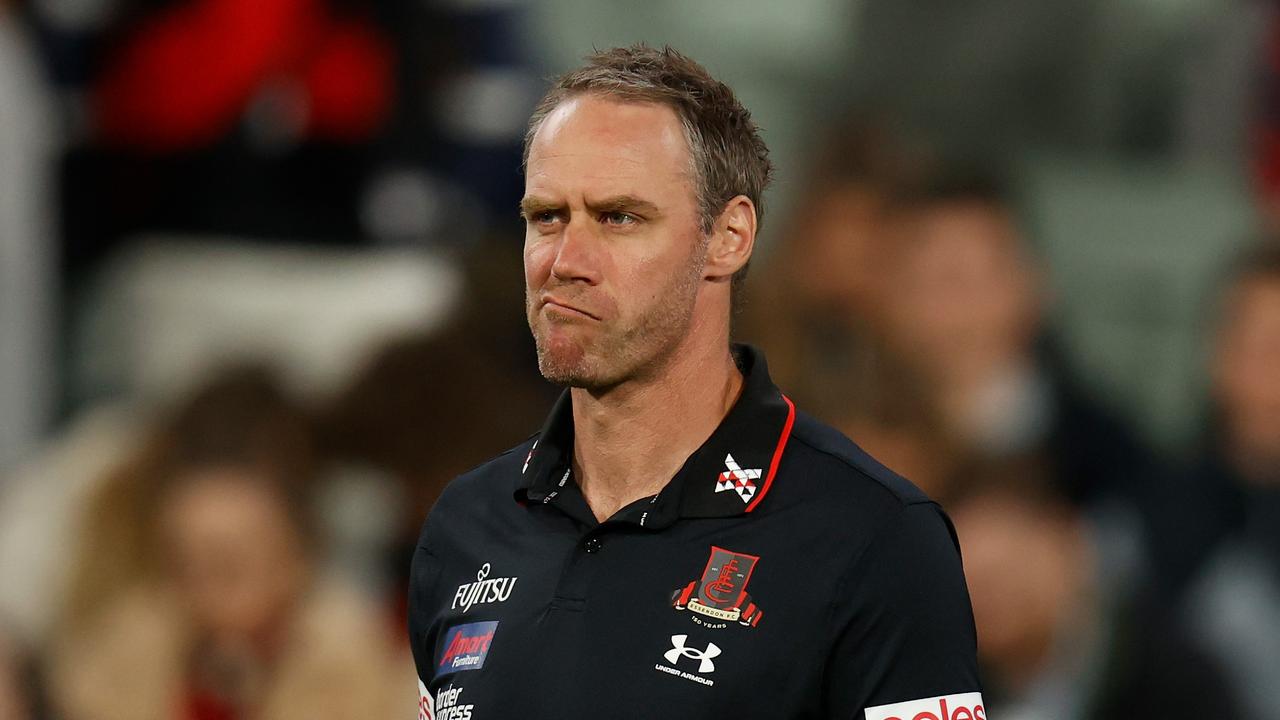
[(843, 492), (500, 473), (820, 460), (482, 490)]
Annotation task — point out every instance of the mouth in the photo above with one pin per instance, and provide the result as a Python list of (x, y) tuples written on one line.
[(563, 308)]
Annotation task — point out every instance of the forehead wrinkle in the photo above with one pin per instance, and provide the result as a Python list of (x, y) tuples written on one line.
[(569, 117), (636, 158), (608, 181), (578, 145)]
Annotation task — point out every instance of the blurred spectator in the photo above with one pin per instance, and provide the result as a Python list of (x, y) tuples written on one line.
[(316, 120), (466, 83), (1061, 633), (1232, 517), (817, 303), (240, 418), (831, 247), (412, 413), (1246, 383), (245, 117), (197, 596), (20, 689), (964, 310), (1226, 483), (28, 323)]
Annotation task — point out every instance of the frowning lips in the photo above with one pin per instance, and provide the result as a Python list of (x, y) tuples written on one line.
[(549, 300)]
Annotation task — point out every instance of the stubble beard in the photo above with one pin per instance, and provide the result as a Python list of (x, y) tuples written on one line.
[(617, 354)]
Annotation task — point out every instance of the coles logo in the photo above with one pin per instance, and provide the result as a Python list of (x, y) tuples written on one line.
[(466, 646), (963, 706)]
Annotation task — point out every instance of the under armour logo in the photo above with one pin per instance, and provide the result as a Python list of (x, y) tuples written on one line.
[(703, 657), (737, 479)]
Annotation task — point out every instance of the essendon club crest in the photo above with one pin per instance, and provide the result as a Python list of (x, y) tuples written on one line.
[(722, 591)]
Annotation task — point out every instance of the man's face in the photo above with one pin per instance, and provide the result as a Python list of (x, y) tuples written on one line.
[(613, 253), (837, 255), (233, 554), (963, 298), (1018, 613)]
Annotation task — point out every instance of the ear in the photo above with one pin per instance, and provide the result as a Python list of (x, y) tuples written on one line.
[(733, 237)]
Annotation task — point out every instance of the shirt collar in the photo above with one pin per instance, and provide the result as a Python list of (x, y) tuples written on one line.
[(730, 474)]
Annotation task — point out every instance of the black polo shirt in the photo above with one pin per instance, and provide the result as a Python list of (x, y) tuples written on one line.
[(782, 573)]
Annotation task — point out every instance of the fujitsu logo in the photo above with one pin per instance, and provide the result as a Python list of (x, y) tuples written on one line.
[(483, 590), (963, 706)]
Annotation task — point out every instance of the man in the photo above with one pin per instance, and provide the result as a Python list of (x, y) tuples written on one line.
[(1230, 501), (965, 308), (678, 541), (1068, 635)]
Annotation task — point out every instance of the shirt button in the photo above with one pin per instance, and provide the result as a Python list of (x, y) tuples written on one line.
[(592, 545)]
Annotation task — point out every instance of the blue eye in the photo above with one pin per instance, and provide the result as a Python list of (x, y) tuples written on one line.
[(617, 217)]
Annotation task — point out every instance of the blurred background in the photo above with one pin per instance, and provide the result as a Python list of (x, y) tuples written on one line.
[(261, 297)]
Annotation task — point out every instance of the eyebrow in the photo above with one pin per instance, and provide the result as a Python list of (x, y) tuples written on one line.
[(624, 203), (530, 206)]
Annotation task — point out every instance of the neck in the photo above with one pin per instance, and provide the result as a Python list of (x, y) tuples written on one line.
[(630, 440)]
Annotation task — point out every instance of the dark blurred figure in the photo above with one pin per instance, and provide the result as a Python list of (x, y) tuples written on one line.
[(315, 120), (244, 117), (1227, 522), (1061, 633), (964, 311), (197, 596), (21, 695), (415, 411)]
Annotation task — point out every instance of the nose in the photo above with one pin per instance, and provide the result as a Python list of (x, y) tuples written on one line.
[(576, 255)]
